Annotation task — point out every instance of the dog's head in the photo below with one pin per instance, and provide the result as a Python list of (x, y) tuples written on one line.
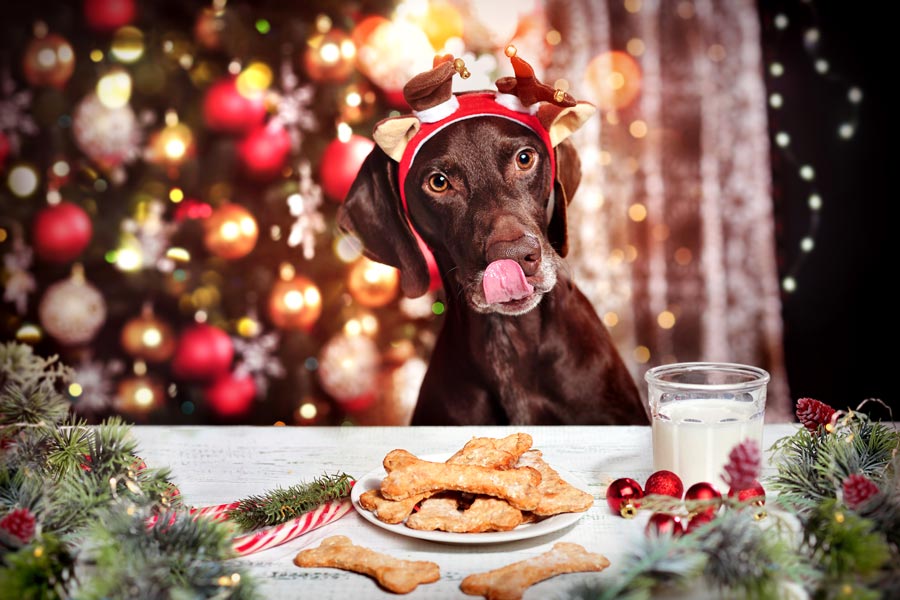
[(486, 192)]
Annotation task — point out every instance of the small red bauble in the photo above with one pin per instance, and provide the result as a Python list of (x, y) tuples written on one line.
[(225, 109), (4, 150), (18, 524), (665, 524), (231, 395), (60, 233), (340, 164), (623, 497), (204, 352), (704, 491), (753, 493), (108, 15), (664, 483), (264, 151), (698, 520)]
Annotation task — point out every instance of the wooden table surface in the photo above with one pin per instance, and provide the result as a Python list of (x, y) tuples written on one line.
[(214, 465)]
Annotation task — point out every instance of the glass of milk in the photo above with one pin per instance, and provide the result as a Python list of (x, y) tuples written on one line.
[(700, 412)]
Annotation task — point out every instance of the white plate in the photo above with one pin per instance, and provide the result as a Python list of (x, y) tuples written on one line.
[(372, 481)]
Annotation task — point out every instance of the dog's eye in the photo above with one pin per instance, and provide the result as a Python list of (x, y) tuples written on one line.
[(438, 183), (525, 159)]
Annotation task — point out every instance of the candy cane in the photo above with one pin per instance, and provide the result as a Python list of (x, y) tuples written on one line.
[(276, 535)]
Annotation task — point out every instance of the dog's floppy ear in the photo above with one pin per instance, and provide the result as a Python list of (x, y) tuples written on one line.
[(568, 176), (372, 211)]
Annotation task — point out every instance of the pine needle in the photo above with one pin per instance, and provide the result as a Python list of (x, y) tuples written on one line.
[(283, 504)]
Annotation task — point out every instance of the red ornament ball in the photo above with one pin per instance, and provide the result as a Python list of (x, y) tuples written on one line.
[(227, 110), (264, 151), (341, 162), (664, 483), (108, 15), (60, 233), (48, 61), (753, 493), (623, 497), (704, 491), (231, 395), (664, 524), (4, 150), (204, 352), (698, 520)]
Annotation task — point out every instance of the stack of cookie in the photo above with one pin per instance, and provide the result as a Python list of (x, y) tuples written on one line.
[(489, 485)]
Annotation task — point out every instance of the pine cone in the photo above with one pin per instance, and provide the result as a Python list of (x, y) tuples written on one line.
[(19, 524), (812, 413), (742, 468), (857, 490)]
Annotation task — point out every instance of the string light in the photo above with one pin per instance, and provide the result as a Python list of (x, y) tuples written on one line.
[(845, 130)]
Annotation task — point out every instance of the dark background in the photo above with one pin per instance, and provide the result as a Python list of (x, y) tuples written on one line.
[(837, 325)]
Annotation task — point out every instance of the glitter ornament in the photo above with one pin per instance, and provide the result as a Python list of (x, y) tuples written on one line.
[(72, 310), (61, 232), (813, 414), (340, 164), (664, 524), (348, 368), (230, 232), (664, 483), (231, 395), (373, 284), (204, 352), (295, 303), (623, 497), (148, 337), (48, 61), (704, 491), (108, 136), (754, 493), (698, 520)]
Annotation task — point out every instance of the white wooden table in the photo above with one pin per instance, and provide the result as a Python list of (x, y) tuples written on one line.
[(213, 465)]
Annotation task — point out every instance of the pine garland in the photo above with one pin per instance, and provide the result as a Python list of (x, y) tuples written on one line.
[(281, 505)]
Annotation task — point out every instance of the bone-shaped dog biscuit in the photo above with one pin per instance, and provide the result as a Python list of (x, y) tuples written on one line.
[(393, 574), (516, 486), (389, 511), (485, 514), (557, 495), (511, 581)]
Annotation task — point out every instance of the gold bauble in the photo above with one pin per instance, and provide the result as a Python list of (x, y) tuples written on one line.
[(329, 56), (139, 395), (295, 303), (148, 337), (48, 60), (373, 284), (614, 78), (230, 232), (172, 145)]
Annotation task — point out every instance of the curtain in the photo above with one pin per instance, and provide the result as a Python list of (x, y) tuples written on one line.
[(671, 232)]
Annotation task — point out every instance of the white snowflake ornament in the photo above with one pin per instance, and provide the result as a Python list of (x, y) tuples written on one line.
[(304, 206)]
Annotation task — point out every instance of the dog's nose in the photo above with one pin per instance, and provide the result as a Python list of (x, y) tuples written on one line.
[(525, 250)]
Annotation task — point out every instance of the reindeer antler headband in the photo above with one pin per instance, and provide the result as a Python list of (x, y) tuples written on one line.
[(550, 113)]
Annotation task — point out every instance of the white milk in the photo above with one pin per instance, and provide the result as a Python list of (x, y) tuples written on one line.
[(693, 437)]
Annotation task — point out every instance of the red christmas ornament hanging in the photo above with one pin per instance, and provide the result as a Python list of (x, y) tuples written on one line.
[(264, 151), (108, 15), (204, 352), (340, 164), (60, 233), (623, 497), (813, 414), (698, 520), (704, 491), (48, 61), (17, 526), (227, 110), (664, 524), (858, 489), (664, 483), (231, 395)]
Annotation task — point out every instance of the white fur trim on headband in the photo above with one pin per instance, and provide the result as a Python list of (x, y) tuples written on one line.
[(514, 104), (438, 112)]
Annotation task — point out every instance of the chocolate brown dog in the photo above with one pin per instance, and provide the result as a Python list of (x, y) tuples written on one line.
[(521, 344)]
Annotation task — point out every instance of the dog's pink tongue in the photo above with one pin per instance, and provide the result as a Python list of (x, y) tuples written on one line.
[(504, 281)]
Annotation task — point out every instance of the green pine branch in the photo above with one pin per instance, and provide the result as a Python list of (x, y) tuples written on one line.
[(283, 504)]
